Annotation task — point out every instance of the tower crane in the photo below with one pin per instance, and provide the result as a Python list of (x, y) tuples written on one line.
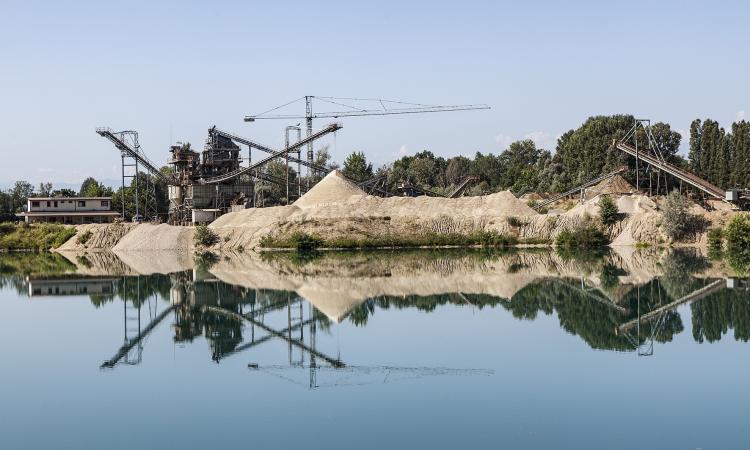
[(383, 108)]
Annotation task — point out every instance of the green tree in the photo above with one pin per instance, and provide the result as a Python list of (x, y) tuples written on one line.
[(678, 222), (739, 148), (21, 191), (356, 167), (457, 169), (608, 212), (521, 164), (45, 189), (93, 188), (64, 192), (585, 151)]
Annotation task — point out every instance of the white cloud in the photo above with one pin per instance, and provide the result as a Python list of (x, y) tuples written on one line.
[(402, 151), (542, 139), (740, 115), (45, 170), (503, 140)]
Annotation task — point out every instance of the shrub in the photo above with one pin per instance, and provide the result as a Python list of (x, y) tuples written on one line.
[(584, 237), (515, 222), (737, 232), (305, 242), (715, 239), (737, 235), (204, 236), (84, 237), (43, 236), (678, 222), (608, 212), (6, 227)]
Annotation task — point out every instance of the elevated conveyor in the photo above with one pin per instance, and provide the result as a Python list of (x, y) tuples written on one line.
[(658, 163), (589, 183), (132, 152), (264, 148), (280, 153), (462, 187)]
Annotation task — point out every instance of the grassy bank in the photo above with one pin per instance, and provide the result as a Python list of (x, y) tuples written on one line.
[(304, 241), (43, 236)]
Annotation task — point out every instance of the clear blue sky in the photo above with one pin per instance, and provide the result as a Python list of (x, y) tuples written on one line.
[(172, 69)]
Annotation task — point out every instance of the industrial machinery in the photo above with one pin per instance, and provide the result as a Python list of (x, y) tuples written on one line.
[(204, 185)]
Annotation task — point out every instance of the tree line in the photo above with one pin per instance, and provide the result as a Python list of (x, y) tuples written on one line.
[(14, 199), (580, 155)]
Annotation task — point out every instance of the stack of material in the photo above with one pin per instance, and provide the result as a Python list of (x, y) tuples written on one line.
[(615, 185)]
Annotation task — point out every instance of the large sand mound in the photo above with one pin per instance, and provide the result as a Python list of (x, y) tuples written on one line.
[(627, 204), (331, 189), (614, 185), (146, 236)]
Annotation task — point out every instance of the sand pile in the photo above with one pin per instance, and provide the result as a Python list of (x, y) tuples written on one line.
[(536, 196), (635, 204), (616, 185), (626, 204), (501, 204), (146, 236), (98, 237), (333, 188)]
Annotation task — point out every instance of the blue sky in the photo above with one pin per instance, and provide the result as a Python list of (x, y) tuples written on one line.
[(172, 69)]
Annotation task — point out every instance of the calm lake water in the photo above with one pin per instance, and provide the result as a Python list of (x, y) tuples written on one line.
[(428, 349)]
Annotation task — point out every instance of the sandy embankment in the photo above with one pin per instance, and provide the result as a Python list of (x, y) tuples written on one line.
[(336, 208)]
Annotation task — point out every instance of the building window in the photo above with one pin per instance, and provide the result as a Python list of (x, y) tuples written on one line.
[(55, 203), (105, 203), (81, 204), (48, 204), (35, 204)]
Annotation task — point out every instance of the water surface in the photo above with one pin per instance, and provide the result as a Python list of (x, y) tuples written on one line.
[(448, 349)]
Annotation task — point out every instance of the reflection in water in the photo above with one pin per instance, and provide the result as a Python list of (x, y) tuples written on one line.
[(616, 302)]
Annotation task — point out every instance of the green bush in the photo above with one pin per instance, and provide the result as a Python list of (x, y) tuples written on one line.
[(715, 239), (737, 236), (515, 222), (737, 232), (678, 222), (42, 236), (304, 242), (84, 237), (204, 236), (584, 237), (608, 212)]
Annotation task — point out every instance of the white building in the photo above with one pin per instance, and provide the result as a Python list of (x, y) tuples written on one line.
[(70, 210)]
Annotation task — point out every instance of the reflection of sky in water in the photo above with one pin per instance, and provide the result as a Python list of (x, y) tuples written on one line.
[(541, 385)]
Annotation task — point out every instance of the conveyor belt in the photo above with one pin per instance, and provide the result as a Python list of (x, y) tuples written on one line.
[(687, 177), (242, 170)]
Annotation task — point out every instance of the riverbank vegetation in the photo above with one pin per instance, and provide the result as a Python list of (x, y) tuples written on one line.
[(43, 236), (305, 242), (586, 236)]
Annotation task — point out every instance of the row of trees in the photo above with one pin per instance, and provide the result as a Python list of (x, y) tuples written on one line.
[(580, 155), (719, 156)]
